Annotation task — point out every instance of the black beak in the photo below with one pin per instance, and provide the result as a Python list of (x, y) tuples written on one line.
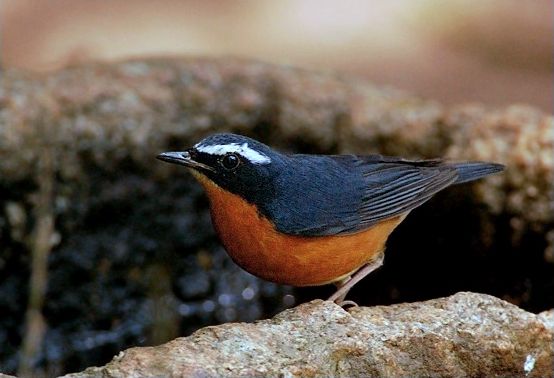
[(182, 158)]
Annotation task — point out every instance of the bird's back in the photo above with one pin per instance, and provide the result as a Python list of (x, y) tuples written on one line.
[(317, 195)]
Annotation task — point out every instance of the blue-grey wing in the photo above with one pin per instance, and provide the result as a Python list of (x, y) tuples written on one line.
[(334, 195)]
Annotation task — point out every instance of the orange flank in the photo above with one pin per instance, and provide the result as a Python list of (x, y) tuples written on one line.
[(253, 243)]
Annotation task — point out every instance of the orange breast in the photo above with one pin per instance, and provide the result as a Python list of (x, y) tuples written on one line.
[(253, 243)]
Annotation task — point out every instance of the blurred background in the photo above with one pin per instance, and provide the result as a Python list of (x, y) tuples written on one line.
[(493, 51), (113, 282)]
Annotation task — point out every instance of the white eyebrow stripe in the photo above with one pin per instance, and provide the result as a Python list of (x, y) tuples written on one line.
[(221, 149)]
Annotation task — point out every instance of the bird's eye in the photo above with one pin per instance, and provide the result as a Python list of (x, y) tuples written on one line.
[(230, 161)]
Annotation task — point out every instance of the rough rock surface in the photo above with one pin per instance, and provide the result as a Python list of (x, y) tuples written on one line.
[(547, 317), (134, 259), (466, 334)]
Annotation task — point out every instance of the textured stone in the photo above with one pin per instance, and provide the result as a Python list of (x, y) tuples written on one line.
[(133, 247), (466, 334), (547, 317)]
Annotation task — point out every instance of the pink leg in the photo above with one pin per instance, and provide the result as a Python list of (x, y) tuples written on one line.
[(345, 286)]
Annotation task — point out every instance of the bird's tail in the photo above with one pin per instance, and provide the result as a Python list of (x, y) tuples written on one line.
[(473, 170)]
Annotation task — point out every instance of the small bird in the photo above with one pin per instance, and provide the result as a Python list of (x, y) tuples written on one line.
[(307, 220)]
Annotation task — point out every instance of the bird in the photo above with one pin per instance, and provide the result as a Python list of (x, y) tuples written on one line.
[(310, 220)]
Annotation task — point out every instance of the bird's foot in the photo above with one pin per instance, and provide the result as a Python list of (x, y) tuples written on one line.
[(344, 286)]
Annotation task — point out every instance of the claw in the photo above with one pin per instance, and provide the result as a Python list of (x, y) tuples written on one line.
[(345, 304)]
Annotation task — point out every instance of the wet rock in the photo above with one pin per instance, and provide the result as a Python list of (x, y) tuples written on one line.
[(466, 334)]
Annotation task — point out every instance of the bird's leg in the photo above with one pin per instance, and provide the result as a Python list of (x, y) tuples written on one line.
[(345, 285), (340, 299)]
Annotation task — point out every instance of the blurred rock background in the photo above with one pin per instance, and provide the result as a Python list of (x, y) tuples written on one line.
[(131, 256)]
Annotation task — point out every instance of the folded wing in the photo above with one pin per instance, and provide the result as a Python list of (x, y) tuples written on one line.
[(360, 191)]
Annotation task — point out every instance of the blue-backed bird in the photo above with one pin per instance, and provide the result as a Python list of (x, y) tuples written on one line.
[(307, 220)]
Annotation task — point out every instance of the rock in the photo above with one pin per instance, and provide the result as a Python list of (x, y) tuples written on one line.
[(466, 334), (104, 114), (133, 247), (547, 317)]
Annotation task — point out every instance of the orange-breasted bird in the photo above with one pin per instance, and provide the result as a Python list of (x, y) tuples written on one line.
[(307, 220)]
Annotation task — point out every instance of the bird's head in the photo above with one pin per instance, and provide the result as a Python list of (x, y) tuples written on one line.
[(236, 163)]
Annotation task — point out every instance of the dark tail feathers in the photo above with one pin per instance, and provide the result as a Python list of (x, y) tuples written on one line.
[(473, 170)]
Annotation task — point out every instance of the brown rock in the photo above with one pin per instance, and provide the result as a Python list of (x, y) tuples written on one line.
[(132, 109), (547, 317), (103, 124), (466, 334)]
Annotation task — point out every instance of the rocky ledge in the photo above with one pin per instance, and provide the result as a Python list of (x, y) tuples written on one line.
[(466, 334)]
